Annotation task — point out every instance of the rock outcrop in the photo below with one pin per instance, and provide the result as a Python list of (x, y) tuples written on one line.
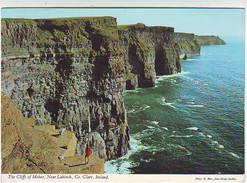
[(30, 148), (70, 73), (148, 51), (188, 45), (210, 40)]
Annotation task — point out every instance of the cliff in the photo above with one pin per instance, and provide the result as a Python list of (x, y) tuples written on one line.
[(210, 40), (148, 51), (30, 148), (188, 45), (71, 72)]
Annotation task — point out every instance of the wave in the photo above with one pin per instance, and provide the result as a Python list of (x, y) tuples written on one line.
[(202, 134), (122, 165), (181, 136), (141, 108), (234, 155), (165, 128), (195, 105), (221, 146), (153, 122), (161, 78), (164, 103), (177, 148), (192, 128), (209, 136), (150, 127)]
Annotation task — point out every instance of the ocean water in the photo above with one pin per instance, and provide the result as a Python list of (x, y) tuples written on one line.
[(192, 122)]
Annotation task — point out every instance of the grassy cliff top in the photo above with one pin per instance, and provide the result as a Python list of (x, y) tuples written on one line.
[(210, 40), (29, 34), (141, 26)]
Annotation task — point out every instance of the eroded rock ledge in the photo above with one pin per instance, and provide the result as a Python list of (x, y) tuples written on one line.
[(71, 72)]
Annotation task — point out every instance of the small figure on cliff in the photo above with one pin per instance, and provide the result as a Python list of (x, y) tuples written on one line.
[(87, 154)]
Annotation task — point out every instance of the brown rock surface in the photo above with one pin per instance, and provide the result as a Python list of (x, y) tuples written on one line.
[(27, 148)]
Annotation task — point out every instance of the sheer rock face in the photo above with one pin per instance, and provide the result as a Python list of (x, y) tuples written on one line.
[(187, 44), (149, 51), (72, 72), (29, 148)]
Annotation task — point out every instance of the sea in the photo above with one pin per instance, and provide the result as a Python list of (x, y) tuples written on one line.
[(191, 122)]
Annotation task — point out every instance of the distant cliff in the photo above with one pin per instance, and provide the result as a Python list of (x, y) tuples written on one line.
[(189, 44), (71, 72), (148, 51), (210, 40)]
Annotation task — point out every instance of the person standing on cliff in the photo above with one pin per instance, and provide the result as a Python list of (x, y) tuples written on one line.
[(87, 154)]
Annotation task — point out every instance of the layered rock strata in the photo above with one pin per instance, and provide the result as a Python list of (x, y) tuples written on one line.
[(148, 51), (72, 72), (188, 45)]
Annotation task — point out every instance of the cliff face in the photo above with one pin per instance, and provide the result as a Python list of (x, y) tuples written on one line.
[(187, 44), (149, 51), (68, 72), (210, 40), (29, 148), (72, 73)]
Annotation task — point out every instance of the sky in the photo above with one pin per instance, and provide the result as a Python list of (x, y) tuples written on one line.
[(226, 23)]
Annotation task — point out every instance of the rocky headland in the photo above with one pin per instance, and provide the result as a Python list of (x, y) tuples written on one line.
[(210, 40), (71, 73), (189, 44)]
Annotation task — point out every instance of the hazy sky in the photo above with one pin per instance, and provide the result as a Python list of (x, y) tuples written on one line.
[(227, 23)]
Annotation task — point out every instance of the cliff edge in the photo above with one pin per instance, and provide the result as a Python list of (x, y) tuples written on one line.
[(210, 40), (189, 44)]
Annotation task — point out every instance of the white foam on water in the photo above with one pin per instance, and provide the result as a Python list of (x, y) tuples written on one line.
[(209, 136), (165, 128), (123, 164), (164, 103), (201, 134), (195, 105), (150, 127), (221, 146), (181, 136), (155, 122), (191, 102), (142, 108), (161, 78), (131, 91), (192, 128), (215, 142), (234, 155)]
